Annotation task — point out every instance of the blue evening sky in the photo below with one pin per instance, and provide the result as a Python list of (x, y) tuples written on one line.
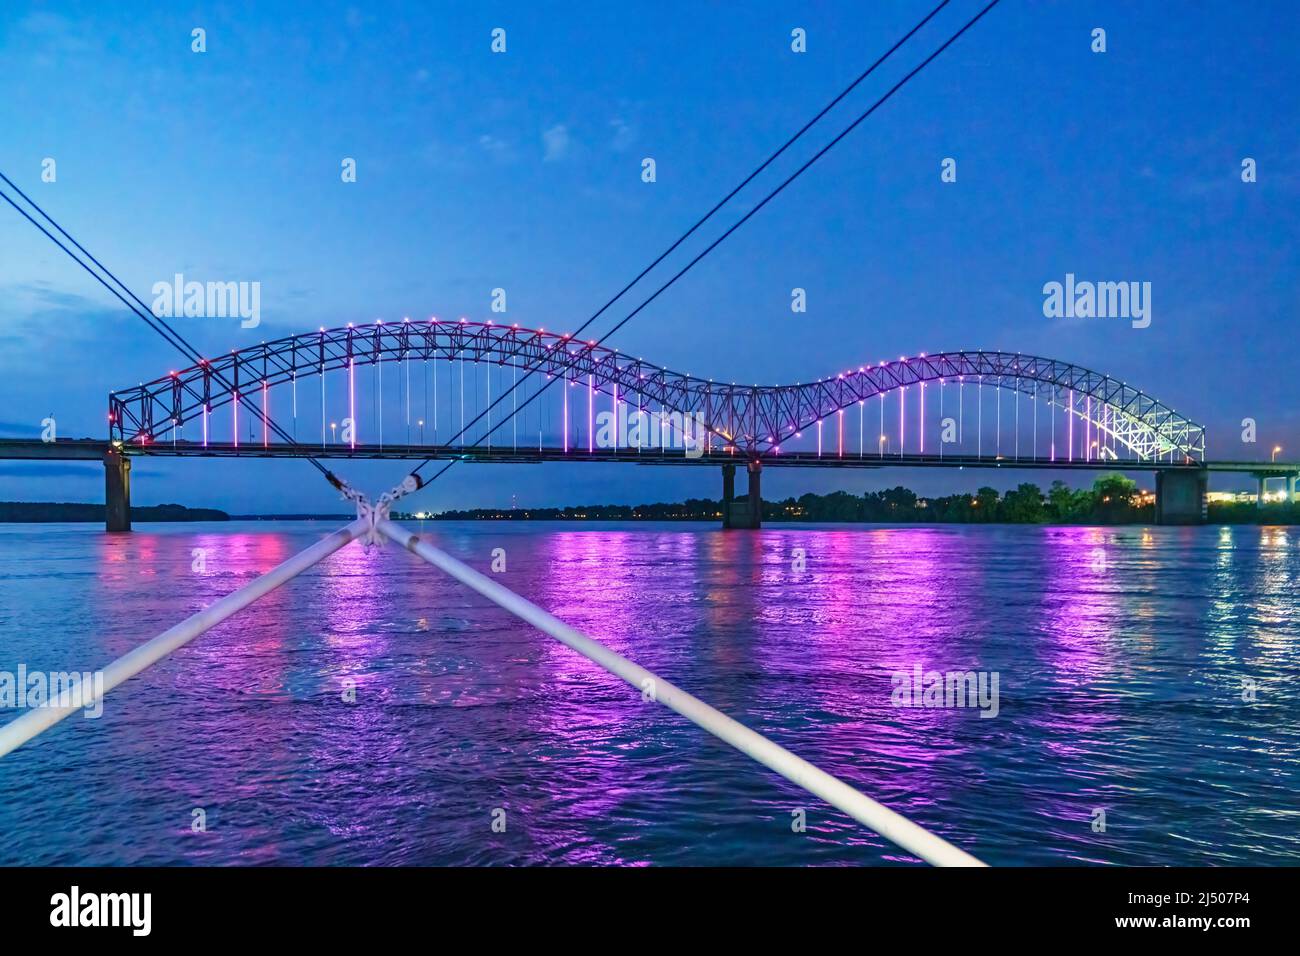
[(522, 170)]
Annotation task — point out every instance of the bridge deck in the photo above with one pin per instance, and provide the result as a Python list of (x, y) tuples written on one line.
[(65, 449), (86, 449)]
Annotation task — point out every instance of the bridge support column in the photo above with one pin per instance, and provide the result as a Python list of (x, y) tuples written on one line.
[(755, 494), (117, 491), (1180, 496), (1290, 489), (728, 493), (1261, 489), (744, 512)]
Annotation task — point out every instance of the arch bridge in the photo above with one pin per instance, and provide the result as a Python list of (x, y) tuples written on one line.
[(976, 408)]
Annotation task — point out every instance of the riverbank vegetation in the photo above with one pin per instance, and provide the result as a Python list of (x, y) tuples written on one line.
[(1112, 499), (24, 512)]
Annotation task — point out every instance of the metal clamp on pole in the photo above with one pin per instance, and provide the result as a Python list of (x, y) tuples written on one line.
[(373, 514)]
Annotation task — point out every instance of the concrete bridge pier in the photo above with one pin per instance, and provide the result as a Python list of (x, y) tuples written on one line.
[(1180, 496), (1261, 489), (744, 512), (117, 491), (728, 493)]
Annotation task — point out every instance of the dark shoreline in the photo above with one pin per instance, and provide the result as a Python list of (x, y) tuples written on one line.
[(50, 512), (1217, 516), (1113, 500)]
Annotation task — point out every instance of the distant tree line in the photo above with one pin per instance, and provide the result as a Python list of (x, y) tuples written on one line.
[(692, 509), (1112, 499), (47, 511)]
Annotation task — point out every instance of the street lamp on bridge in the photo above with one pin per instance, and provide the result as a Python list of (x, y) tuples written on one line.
[(333, 426), (1276, 449)]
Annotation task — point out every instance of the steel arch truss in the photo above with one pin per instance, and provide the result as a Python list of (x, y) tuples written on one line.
[(754, 420), (1146, 427)]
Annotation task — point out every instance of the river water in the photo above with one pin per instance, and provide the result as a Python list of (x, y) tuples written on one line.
[(375, 712)]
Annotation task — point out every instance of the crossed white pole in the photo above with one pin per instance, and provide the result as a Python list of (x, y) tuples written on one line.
[(373, 526)]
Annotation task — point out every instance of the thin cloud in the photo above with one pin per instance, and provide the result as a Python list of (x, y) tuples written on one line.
[(624, 134), (557, 143)]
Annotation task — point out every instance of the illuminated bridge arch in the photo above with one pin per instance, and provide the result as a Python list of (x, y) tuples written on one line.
[(1099, 417), (1118, 415)]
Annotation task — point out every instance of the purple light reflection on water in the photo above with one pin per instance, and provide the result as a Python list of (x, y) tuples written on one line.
[(1085, 609), (872, 604), (1120, 689)]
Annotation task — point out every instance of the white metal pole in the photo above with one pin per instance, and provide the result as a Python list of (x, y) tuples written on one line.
[(837, 793), (34, 721)]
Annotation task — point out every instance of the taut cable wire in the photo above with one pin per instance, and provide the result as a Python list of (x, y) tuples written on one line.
[(690, 265), (173, 338), (723, 201)]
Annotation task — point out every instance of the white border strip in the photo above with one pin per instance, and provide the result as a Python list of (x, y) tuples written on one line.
[(890, 825), (35, 721)]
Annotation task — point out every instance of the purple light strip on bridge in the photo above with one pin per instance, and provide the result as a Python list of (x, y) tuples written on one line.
[(1069, 418), (1087, 431), (902, 403)]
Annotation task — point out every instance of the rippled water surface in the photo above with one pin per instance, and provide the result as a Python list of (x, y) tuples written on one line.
[(1123, 658)]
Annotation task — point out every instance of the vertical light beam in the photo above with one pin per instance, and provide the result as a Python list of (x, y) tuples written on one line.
[(923, 418), (1069, 417), (902, 404), (1087, 430)]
